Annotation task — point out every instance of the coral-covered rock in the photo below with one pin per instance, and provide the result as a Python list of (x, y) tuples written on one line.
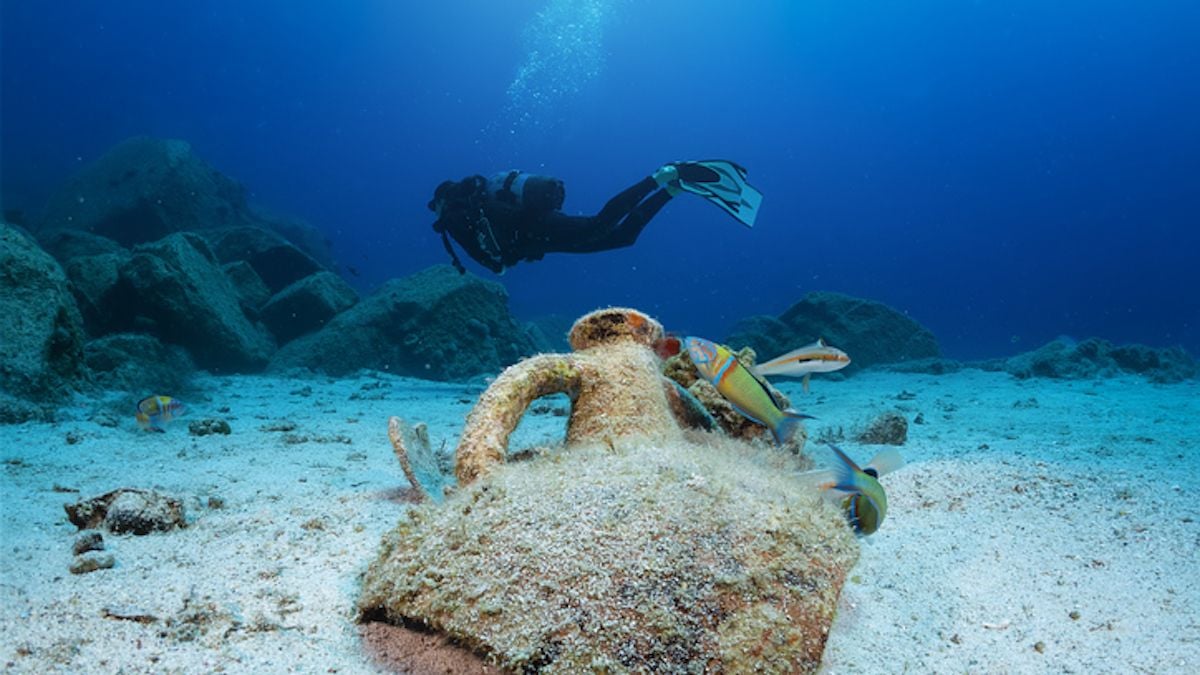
[(307, 305), (276, 260), (178, 284), (41, 332), (870, 332), (144, 189), (636, 559), (436, 324)]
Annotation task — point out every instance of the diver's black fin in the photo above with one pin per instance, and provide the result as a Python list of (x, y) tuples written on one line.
[(723, 183)]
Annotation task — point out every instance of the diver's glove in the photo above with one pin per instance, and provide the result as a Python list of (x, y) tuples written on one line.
[(667, 176)]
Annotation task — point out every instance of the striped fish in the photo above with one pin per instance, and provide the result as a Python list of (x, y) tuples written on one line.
[(858, 489), (803, 362), (155, 411), (746, 393)]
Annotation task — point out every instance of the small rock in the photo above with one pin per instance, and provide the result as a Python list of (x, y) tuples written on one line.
[(919, 419), (208, 426), (92, 561), (74, 437), (128, 510), (1039, 647), (89, 540), (143, 513), (890, 428)]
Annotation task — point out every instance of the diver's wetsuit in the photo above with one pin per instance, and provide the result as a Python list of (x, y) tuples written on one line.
[(499, 234)]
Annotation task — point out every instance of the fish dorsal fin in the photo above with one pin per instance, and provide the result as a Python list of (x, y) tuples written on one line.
[(761, 382), (845, 471)]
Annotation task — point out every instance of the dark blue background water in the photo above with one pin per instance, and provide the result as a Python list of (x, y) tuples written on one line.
[(1003, 171)]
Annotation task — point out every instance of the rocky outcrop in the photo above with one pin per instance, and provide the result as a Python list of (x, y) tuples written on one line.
[(307, 305), (276, 260), (436, 324), (66, 245), (95, 283), (252, 292), (136, 362), (41, 332), (178, 285), (870, 332), (1066, 359), (144, 189)]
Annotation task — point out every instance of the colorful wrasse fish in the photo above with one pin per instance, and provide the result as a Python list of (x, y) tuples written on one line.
[(746, 393), (155, 411), (858, 490), (815, 358)]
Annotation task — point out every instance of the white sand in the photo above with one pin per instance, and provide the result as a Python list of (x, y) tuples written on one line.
[(1006, 520)]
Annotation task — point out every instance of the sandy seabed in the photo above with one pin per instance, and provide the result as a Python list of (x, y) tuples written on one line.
[(1039, 526)]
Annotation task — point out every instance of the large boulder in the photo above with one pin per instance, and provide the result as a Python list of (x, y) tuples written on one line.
[(276, 260), (252, 292), (306, 305), (95, 283), (41, 332), (144, 189), (66, 245), (138, 363), (870, 332), (436, 324), (303, 234), (178, 284)]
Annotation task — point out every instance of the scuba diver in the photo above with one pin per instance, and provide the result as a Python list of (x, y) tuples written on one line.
[(515, 216)]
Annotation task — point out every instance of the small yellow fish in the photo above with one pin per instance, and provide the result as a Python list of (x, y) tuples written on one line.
[(815, 358), (858, 490), (155, 411)]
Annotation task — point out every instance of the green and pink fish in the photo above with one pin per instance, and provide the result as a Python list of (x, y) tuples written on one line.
[(745, 392), (857, 490)]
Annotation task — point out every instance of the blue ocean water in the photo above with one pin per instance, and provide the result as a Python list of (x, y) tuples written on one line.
[(1004, 172)]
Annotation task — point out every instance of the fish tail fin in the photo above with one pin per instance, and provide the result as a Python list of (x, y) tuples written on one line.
[(887, 461), (785, 430)]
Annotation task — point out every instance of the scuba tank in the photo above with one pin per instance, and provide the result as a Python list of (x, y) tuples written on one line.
[(526, 191)]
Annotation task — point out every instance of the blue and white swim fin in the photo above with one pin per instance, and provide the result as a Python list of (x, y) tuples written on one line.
[(723, 183)]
